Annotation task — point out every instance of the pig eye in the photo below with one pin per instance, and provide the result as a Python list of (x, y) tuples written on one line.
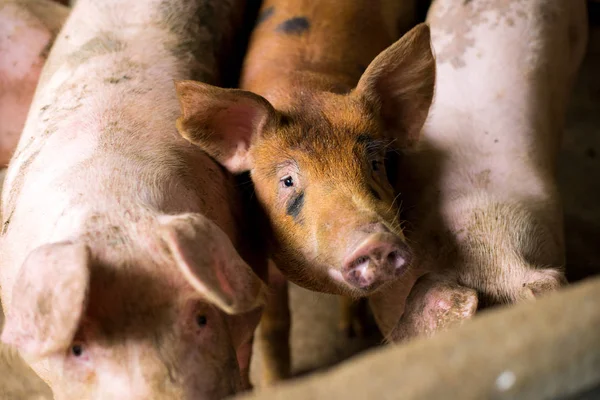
[(288, 181), (201, 320), (77, 350), (375, 165)]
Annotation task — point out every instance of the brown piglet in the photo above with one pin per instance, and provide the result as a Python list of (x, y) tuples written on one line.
[(329, 93)]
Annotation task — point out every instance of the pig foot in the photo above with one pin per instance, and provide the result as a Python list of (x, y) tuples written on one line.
[(434, 305), (274, 331), (353, 319), (540, 282), (244, 354)]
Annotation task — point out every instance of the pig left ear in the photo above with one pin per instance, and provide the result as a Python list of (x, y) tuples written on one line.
[(211, 264), (223, 122), (49, 298), (399, 82)]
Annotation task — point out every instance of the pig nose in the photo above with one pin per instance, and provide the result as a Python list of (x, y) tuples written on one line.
[(382, 257)]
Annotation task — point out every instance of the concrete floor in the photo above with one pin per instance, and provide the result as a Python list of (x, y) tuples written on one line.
[(316, 341)]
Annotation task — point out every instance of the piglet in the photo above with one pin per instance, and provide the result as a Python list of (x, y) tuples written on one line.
[(329, 90)]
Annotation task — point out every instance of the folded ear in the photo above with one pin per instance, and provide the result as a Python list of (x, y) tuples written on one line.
[(211, 264), (48, 299), (223, 122), (400, 83)]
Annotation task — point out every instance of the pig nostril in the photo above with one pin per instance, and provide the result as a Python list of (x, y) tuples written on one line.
[(392, 257), (395, 259), (360, 260)]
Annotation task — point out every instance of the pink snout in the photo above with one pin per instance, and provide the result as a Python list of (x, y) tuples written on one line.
[(382, 257)]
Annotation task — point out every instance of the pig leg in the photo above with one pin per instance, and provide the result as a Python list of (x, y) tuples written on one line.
[(434, 304), (244, 354), (274, 331), (351, 318), (27, 31)]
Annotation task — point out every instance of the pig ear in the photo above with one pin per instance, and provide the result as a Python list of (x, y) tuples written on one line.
[(49, 298), (211, 264), (400, 83), (223, 122)]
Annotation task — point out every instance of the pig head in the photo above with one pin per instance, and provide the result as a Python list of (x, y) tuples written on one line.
[(318, 163), (96, 323)]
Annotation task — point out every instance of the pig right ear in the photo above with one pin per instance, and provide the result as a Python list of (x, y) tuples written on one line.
[(400, 83), (211, 264), (49, 298), (223, 122)]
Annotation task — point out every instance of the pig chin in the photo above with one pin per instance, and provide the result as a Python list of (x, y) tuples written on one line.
[(349, 289)]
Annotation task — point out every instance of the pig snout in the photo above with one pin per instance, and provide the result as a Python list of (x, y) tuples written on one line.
[(379, 258)]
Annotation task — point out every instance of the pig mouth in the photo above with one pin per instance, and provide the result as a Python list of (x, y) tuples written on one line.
[(364, 288)]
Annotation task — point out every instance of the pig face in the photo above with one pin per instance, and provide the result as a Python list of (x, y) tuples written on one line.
[(161, 321), (318, 166)]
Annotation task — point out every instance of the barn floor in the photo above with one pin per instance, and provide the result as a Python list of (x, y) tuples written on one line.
[(316, 341)]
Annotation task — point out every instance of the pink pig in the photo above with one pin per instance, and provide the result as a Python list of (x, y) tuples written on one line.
[(482, 193), (119, 272)]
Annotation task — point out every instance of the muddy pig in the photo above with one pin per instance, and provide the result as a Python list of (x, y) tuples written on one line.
[(485, 208), (27, 31), (119, 272), (329, 91)]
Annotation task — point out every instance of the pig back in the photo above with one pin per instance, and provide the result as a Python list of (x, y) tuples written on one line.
[(100, 136)]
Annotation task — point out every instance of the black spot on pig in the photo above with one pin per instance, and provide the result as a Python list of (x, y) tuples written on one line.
[(465, 2), (295, 205), (294, 26), (265, 15)]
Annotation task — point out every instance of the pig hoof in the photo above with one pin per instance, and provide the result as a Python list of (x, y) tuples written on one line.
[(434, 306), (541, 282), (273, 376), (452, 305)]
